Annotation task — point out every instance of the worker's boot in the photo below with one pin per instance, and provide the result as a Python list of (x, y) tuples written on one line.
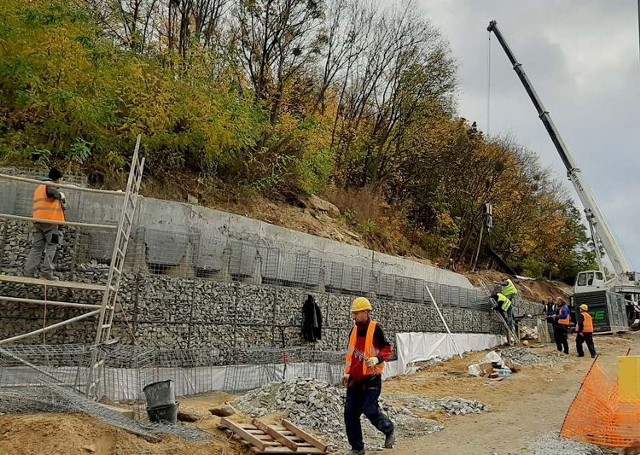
[(389, 440), (357, 452)]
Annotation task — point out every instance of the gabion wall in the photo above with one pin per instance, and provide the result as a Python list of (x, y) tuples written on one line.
[(212, 311), (184, 313)]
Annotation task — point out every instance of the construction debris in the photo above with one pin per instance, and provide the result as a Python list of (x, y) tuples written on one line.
[(319, 406)]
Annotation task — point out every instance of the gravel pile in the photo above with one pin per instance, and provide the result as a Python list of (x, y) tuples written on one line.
[(525, 356), (319, 406), (554, 444), (450, 405)]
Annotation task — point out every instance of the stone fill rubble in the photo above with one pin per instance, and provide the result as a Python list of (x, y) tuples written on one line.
[(449, 405), (319, 406), (527, 356)]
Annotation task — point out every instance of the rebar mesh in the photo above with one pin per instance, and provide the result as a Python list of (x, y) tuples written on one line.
[(50, 394)]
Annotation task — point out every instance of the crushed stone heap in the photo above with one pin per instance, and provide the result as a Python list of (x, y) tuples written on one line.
[(449, 405), (319, 406), (526, 356)]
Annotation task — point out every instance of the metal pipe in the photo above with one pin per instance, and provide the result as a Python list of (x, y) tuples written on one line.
[(51, 327), (446, 326), (48, 302), (62, 223), (60, 185)]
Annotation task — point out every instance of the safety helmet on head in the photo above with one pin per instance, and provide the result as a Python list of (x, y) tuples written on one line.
[(360, 304), (584, 307)]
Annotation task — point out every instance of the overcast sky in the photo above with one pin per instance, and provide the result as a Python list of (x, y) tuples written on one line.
[(582, 58)]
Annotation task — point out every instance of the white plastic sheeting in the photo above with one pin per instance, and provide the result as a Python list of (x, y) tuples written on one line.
[(416, 347)]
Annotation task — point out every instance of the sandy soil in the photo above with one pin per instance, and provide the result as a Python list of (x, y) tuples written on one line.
[(530, 403)]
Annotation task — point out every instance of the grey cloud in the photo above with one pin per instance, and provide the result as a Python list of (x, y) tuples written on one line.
[(582, 58)]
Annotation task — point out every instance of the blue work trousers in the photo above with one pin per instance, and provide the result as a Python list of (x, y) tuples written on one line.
[(362, 398)]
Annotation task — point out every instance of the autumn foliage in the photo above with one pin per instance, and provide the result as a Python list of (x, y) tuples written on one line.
[(334, 97)]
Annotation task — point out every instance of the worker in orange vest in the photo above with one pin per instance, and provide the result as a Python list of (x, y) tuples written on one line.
[(48, 208), (368, 349), (585, 332)]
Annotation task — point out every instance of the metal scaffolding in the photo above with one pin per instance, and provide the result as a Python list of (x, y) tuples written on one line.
[(104, 310)]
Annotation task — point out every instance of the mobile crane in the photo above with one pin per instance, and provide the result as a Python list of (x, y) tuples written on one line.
[(614, 302)]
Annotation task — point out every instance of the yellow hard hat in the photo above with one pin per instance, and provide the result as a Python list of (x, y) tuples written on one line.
[(584, 307), (360, 304)]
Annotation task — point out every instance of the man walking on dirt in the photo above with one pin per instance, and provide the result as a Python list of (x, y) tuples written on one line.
[(585, 332), (48, 207), (561, 326), (368, 349)]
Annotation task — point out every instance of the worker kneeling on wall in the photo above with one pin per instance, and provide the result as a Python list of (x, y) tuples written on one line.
[(367, 350)]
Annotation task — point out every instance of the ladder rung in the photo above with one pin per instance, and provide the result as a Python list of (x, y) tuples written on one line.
[(106, 326)]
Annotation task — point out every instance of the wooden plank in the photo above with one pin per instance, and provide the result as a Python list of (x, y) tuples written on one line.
[(260, 445), (284, 450), (52, 283), (275, 435), (304, 435)]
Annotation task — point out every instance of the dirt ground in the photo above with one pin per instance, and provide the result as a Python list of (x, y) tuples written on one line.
[(530, 403)]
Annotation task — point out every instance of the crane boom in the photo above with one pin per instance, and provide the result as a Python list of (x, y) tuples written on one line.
[(594, 215)]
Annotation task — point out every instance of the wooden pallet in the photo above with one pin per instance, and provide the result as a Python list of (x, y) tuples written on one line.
[(274, 439)]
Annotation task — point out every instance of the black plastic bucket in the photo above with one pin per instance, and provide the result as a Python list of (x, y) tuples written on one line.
[(164, 414), (161, 393)]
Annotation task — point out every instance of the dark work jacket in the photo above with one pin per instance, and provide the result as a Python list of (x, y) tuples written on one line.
[(549, 311), (312, 322)]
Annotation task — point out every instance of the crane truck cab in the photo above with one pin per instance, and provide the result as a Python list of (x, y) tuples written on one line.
[(589, 280)]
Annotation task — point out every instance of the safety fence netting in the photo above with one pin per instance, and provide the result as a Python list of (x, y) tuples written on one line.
[(600, 416)]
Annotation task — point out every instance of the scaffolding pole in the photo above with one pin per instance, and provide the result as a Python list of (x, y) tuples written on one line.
[(446, 326)]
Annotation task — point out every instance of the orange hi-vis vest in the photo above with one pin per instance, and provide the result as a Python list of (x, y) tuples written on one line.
[(44, 208), (567, 320), (369, 351), (587, 326)]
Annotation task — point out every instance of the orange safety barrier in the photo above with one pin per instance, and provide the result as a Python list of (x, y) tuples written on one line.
[(598, 416)]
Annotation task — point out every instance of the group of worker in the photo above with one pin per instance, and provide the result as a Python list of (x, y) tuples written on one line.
[(559, 319), (368, 349)]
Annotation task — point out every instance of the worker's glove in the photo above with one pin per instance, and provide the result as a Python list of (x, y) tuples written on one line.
[(345, 380), (372, 362), (63, 199)]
